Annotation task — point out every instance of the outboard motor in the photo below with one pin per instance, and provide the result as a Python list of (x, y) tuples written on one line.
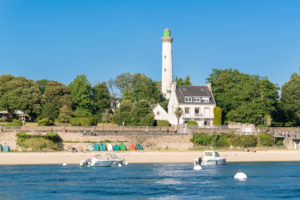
[(198, 161)]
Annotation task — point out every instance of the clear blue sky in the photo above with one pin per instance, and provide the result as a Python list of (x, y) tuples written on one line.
[(59, 39)]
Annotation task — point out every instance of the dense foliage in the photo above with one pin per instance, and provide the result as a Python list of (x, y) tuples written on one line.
[(291, 100), (84, 121), (14, 123), (180, 81), (227, 139), (242, 97), (134, 114), (46, 122), (19, 93)]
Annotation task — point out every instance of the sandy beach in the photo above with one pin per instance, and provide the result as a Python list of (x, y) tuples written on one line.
[(144, 157)]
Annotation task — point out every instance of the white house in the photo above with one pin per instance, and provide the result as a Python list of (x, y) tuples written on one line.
[(196, 102)]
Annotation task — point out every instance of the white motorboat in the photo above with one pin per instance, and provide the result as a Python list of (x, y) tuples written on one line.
[(213, 158), (115, 158), (110, 160), (97, 161)]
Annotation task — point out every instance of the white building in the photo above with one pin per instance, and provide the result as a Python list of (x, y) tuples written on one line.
[(196, 102)]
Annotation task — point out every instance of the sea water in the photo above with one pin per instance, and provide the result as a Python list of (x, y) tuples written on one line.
[(266, 180)]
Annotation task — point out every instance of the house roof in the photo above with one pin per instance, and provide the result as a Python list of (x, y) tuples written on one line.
[(193, 91)]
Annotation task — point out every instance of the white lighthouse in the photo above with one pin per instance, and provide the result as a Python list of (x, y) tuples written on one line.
[(167, 71)]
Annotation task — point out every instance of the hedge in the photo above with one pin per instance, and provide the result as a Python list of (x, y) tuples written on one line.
[(45, 122), (83, 121), (193, 123), (15, 123), (162, 123), (227, 139)]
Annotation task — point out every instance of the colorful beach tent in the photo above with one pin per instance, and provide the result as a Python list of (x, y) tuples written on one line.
[(90, 148), (109, 147), (96, 147), (1, 147), (6, 148), (123, 147), (132, 147), (102, 147), (116, 147), (138, 146)]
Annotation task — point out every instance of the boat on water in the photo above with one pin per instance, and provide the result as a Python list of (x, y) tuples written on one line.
[(116, 159), (110, 160), (213, 158), (210, 158), (97, 161)]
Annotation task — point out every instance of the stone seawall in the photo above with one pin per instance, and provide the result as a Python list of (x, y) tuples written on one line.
[(79, 141)]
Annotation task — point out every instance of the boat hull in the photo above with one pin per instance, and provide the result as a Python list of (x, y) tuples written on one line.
[(214, 162), (102, 163)]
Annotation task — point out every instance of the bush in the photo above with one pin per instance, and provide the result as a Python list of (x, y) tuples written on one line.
[(202, 139), (192, 123), (248, 141), (39, 142), (224, 140), (15, 123), (266, 139), (162, 123), (84, 121), (279, 141), (45, 122)]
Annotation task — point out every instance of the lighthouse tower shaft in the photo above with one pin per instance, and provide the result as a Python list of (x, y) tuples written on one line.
[(167, 68)]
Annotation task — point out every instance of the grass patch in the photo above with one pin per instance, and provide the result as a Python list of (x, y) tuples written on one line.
[(48, 142)]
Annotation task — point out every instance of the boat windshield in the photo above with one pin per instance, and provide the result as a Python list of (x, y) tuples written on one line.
[(217, 154), (209, 154)]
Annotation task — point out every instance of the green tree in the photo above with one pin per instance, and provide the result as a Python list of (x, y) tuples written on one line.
[(19, 93), (101, 97), (49, 111), (58, 94), (290, 98), (143, 88), (123, 113), (217, 116), (242, 97), (65, 114), (141, 114), (81, 91), (186, 81)]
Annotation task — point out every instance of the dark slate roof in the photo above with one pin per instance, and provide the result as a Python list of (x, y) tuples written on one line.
[(193, 91)]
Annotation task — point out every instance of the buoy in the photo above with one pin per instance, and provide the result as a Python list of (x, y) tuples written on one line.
[(197, 167), (64, 164), (240, 176), (119, 165)]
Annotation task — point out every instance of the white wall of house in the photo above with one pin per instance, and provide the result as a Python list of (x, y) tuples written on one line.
[(160, 113)]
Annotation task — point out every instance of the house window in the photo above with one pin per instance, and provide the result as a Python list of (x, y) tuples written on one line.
[(196, 99), (196, 111), (187, 99), (187, 111), (205, 99), (157, 112)]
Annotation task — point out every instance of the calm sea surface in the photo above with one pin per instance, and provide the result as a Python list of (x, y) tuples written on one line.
[(266, 180)]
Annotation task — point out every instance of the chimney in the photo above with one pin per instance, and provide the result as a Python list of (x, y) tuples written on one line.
[(209, 86)]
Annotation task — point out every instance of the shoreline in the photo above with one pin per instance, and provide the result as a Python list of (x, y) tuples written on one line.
[(28, 158)]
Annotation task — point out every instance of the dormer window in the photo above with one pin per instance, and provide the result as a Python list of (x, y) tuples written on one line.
[(205, 99), (196, 99), (187, 99)]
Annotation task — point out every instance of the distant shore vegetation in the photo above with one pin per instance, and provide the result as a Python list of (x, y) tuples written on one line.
[(240, 98)]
